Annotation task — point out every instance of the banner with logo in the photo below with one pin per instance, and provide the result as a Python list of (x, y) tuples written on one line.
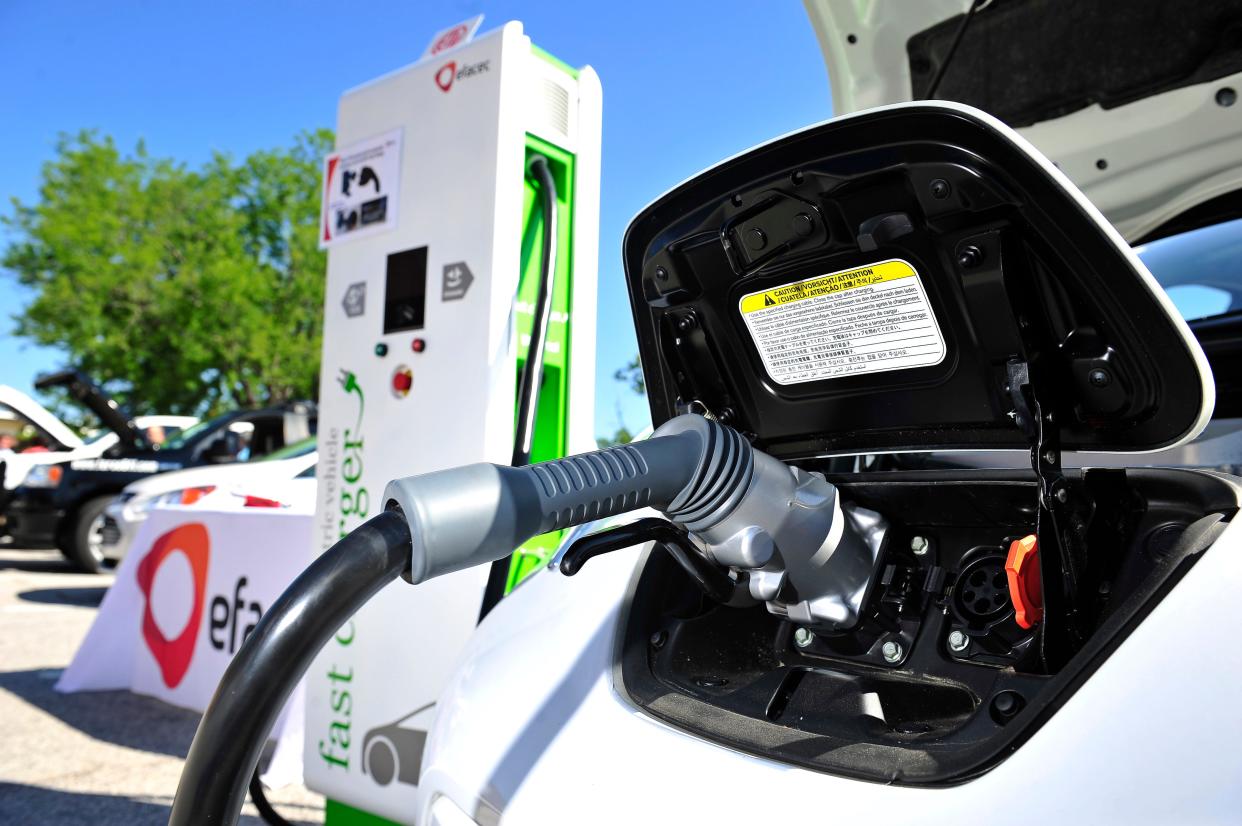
[(192, 588)]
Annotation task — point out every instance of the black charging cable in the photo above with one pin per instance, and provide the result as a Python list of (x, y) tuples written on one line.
[(277, 653), (532, 370)]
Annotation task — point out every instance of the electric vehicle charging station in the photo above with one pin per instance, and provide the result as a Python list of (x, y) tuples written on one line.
[(434, 223)]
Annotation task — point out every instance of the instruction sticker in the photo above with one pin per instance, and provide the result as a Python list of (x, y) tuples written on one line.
[(866, 320), (360, 189)]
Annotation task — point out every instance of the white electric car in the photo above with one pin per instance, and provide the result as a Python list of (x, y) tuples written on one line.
[(1032, 645), (261, 478)]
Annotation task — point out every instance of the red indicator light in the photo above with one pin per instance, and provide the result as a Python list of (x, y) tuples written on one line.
[(260, 502), (418, 345)]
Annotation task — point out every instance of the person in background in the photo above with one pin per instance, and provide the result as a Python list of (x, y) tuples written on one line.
[(8, 442), (156, 435), (35, 445), (243, 455)]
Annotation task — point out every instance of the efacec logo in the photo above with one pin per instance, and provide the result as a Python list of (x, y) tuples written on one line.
[(231, 618), (449, 72)]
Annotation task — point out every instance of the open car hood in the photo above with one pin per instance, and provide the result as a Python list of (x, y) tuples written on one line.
[(90, 396), (1137, 103), (915, 277), (39, 416)]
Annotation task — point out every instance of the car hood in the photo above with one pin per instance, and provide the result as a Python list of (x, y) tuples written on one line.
[(1138, 108), (39, 416)]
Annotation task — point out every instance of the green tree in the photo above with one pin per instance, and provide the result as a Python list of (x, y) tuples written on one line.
[(622, 436), (632, 375), (181, 290)]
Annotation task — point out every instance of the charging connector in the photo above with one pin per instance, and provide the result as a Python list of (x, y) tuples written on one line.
[(781, 528)]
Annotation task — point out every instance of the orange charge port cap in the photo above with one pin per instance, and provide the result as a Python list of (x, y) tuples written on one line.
[(1026, 590)]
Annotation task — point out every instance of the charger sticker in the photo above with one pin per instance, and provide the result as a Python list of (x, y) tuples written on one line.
[(867, 320)]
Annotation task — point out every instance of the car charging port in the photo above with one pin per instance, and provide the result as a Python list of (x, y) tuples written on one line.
[(983, 627)]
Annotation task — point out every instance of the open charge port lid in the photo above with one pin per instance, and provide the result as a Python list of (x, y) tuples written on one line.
[(910, 278)]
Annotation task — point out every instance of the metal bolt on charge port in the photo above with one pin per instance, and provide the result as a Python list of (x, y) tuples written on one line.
[(958, 642), (803, 637), (919, 545), (892, 651)]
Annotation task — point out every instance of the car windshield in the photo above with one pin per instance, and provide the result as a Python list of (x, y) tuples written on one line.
[(291, 451), (99, 435), (191, 433), (1201, 270)]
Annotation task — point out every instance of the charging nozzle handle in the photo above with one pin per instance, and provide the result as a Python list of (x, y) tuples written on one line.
[(691, 469)]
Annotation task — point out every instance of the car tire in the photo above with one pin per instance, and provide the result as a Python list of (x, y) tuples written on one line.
[(81, 543)]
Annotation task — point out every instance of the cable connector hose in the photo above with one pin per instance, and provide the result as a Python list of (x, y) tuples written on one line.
[(692, 468), (264, 672)]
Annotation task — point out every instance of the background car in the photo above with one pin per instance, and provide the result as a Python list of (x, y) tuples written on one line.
[(65, 508), (121, 519)]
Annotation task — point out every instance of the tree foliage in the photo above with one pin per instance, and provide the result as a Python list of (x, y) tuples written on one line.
[(632, 376), (181, 290), (622, 436)]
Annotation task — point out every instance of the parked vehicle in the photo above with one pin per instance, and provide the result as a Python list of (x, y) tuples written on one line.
[(65, 509), (125, 514), (61, 443)]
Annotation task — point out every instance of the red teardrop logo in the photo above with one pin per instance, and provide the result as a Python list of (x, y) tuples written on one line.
[(174, 655), (444, 77)]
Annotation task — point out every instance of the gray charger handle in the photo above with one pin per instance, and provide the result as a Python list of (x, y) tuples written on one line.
[(692, 468)]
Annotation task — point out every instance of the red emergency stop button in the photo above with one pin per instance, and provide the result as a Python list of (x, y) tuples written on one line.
[(1026, 590), (402, 381)]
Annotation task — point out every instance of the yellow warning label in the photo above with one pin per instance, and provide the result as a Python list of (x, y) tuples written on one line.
[(866, 320), (826, 285)]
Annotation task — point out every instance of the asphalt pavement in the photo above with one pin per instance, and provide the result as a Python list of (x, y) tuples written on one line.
[(98, 758)]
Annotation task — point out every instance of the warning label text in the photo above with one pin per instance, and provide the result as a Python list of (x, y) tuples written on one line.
[(866, 320)]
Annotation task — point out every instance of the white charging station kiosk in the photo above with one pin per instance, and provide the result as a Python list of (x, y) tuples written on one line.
[(431, 228)]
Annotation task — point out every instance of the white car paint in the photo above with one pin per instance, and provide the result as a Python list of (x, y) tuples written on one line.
[(296, 494), (532, 729), (39, 416), (129, 510), (71, 446)]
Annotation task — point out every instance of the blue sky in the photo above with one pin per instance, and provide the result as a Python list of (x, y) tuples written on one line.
[(685, 84)]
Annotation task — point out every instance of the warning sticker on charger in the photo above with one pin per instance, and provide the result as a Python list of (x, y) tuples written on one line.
[(866, 320)]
